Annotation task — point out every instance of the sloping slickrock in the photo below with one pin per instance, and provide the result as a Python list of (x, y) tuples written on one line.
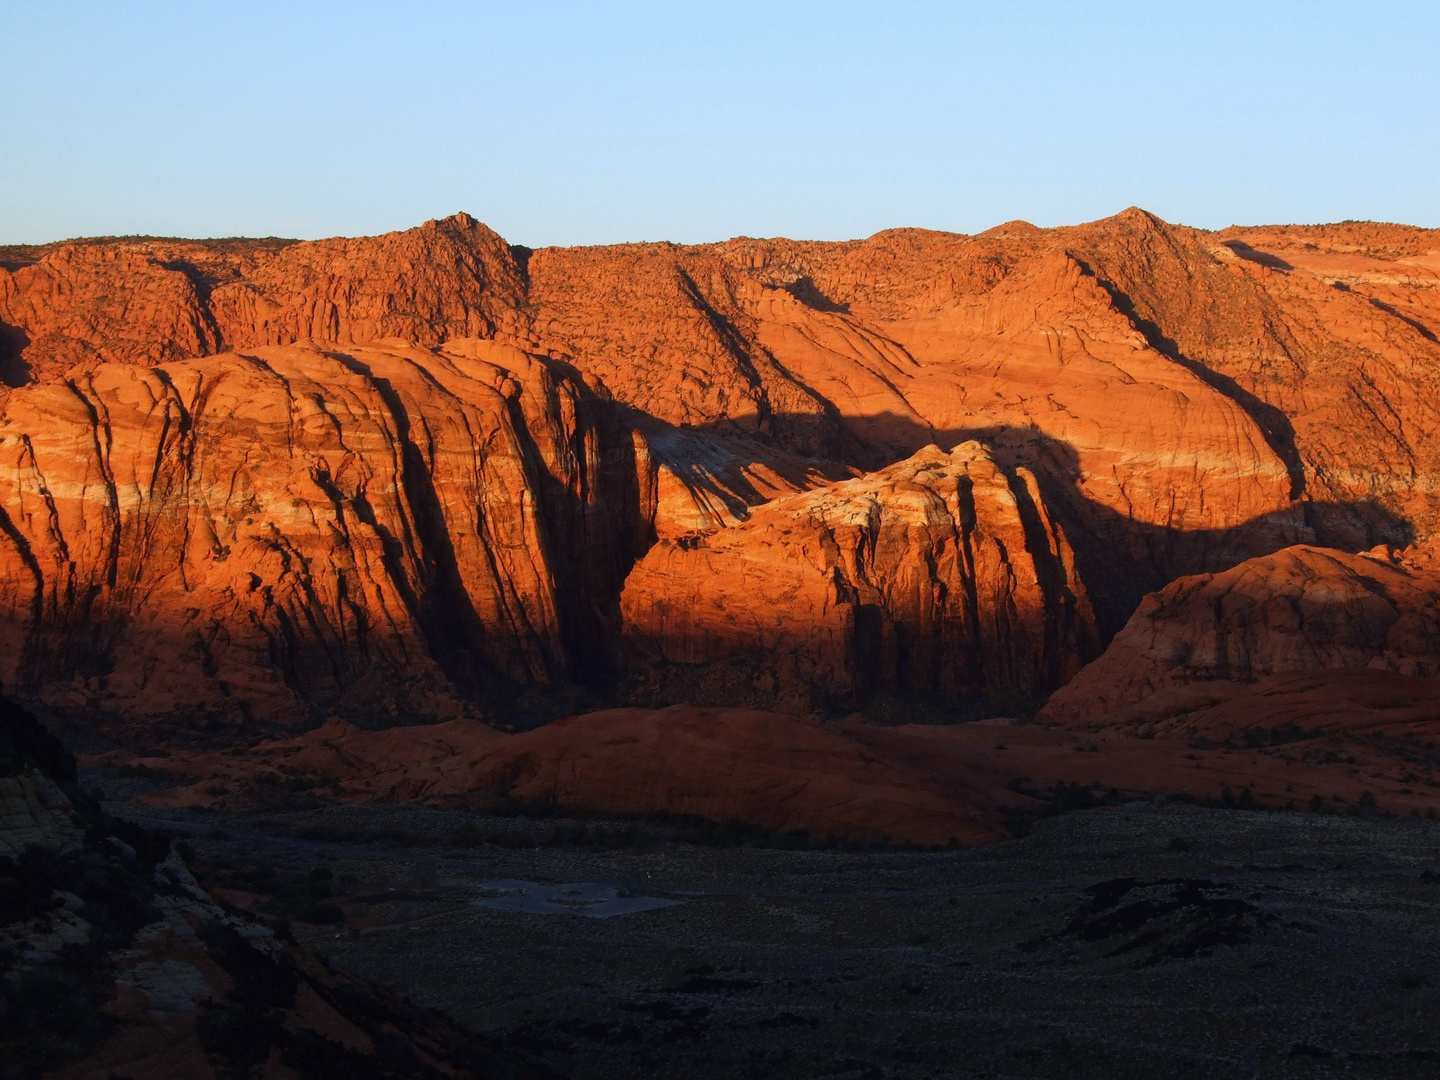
[(768, 770), (1349, 702), (1301, 609), (1288, 740), (939, 573), (780, 773)]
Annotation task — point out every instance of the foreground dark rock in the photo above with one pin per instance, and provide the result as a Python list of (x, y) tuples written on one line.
[(1130, 942), (115, 962)]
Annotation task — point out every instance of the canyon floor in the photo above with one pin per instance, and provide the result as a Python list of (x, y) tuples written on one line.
[(1137, 940)]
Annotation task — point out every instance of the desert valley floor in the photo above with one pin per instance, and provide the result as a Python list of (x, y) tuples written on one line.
[(1136, 941)]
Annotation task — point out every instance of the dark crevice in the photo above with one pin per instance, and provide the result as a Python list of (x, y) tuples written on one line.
[(1414, 324), (1274, 425)]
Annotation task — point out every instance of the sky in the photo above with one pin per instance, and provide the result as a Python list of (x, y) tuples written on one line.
[(602, 123)]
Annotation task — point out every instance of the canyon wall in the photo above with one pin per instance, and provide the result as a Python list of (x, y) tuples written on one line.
[(939, 574), (260, 480), (253, 538)]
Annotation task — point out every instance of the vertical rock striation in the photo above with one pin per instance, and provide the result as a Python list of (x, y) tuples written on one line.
[(263, 536), (939, 574)]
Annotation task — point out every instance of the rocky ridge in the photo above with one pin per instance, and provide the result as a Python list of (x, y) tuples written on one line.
[(939, 573), (1179, 400), (1300, 610)]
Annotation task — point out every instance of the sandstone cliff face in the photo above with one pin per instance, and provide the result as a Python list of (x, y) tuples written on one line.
[(940, 573), (1302, 609), (261, 536), (1322, 339), (1180, 400)]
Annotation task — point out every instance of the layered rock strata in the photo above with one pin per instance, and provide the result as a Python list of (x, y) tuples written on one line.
[(259, 537), (938, 574), (1183, 400), (1303, 609)]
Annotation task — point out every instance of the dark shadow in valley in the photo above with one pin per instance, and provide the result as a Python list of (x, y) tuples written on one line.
[(1259, 258)]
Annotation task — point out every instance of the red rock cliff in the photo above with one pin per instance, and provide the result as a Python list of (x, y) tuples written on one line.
[(1180, 401), (263, 535), (939, 573)]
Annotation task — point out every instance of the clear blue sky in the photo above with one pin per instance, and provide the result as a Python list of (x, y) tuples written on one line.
[(570, 124)]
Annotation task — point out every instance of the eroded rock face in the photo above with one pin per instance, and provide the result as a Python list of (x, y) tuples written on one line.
[(154, 300), (1301, 609), (262, 536), (939, 574), (1172, 401)]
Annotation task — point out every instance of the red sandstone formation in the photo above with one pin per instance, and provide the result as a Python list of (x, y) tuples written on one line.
[(146, 301), (210, 520), (779, 773), (939, 573), (1288, 740), (244, 539), (769, 770), (1302, 609)]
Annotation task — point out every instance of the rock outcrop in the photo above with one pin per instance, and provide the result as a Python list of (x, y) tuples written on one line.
[(147, 301), (1303, 609), (1345, 738), (938, 574), (114, 961), (780, 773), (1172, 401), (261, 537)]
